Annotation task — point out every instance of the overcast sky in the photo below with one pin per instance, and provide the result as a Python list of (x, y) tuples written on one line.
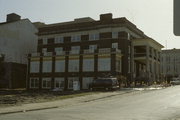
[(153, 17)]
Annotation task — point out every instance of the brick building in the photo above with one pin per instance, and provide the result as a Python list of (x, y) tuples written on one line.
[(82, 50)]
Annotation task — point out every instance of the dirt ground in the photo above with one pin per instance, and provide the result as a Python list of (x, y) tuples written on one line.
[(19, 97)]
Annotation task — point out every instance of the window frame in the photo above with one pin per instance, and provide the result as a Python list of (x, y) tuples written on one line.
[(47, 79), (34, 86)]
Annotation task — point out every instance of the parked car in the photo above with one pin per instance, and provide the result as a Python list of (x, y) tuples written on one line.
[(104, 83), (175, 81)]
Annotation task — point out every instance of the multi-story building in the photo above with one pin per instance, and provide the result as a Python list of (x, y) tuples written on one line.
[(82, 50), (17, 39), (170, 63)]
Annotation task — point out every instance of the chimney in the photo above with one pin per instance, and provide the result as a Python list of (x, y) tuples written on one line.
[(13, 17), (106, 18)]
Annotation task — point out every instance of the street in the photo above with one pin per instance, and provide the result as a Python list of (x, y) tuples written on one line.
[(163, 104)]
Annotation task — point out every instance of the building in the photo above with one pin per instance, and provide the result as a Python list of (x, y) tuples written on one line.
[(17, 40), (81, 50), (170, 64)]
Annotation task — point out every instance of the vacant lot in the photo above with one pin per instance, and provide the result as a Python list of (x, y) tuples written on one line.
[(19, 97)]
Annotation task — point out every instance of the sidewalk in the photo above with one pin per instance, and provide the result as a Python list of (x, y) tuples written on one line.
[(64, 102)]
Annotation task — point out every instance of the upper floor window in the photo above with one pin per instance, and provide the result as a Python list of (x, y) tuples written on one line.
[(58, 49), (76, 38), (94, 36), (75, 48), (59, 40), (92, 47), (44, 50), (45, 41), (114, 34), (115, 45)]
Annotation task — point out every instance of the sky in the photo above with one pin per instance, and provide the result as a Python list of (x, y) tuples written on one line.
[(153, 17)]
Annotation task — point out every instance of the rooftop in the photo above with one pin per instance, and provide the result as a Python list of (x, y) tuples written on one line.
[(80, 24)]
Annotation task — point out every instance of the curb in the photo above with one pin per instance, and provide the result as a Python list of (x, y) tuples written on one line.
[(20, 111)]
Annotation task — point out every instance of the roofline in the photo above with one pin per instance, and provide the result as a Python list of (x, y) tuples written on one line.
[(122, 21), (151, 40), (4, 23)]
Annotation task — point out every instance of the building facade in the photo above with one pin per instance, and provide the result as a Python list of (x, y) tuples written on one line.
[(82, 50), (17, 40), (147, 59), (170, 65)]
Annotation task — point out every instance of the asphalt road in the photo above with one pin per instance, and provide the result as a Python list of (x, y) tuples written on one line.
[(161, 104)]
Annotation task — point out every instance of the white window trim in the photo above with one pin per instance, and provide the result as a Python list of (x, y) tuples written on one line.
[(59, 79), (34, 83), (46, 79)]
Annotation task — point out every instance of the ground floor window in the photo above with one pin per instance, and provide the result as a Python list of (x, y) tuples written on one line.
[(59, 83), (34, 67), (104, 64), (88, 65), (86, 81), (46, 83), (60, 66), (71, 80), (34, 82)]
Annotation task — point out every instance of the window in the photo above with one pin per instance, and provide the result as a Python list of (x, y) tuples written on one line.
[(75, 48), (59, 39), (115, 45), (44, 50), (114, 34), (76, 38), (60, 66), (92, 47), (59, 83), (34, 67), (71, 80), (73, 66), (86, 82), (59, 49), (94, 36), (47, 66), (46, 83), (104, 64), (34, 82), (88, 64), (45, 41), (118, 65)]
